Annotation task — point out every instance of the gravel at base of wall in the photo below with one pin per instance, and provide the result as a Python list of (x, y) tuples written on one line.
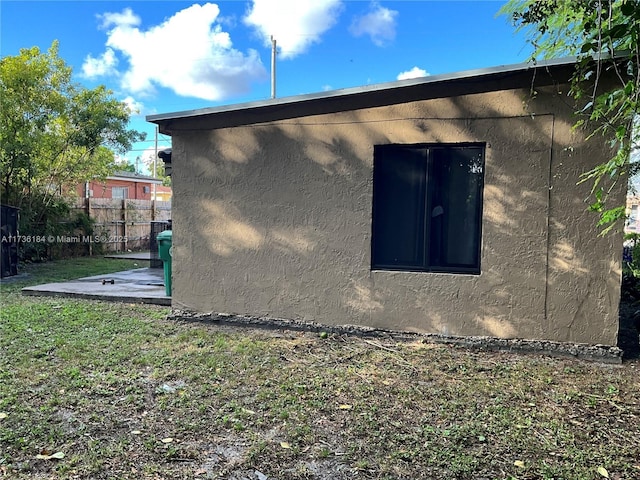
[(597, 353)]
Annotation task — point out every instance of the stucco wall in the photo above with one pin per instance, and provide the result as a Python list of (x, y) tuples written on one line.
[(275, 219)]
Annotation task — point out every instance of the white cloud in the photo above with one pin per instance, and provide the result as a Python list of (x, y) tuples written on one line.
[(105, 64), (415, 72), (126, 17), (188, 53), (295, 24), (379, 23), (134, 106)]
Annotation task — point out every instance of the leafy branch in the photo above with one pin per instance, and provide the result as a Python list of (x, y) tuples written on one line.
[(604, 35)]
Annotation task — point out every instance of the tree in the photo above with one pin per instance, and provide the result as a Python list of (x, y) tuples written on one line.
[(53, 132), (603, 35), (159, 173), (126, 167), (156, 166)]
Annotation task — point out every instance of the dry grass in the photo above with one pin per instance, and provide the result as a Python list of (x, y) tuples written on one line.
[(122, 392)]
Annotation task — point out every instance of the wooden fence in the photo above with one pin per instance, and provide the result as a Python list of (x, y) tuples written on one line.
[(122, 225)]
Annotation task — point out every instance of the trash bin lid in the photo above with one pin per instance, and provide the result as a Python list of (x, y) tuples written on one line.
[(165, 235)]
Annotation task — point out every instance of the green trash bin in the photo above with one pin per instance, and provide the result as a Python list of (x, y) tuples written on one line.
[(165, 251)]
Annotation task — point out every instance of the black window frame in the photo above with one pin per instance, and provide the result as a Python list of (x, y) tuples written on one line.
[(426, 263)]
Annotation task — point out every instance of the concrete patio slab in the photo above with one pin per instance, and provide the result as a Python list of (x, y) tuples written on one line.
[(130, 256), (142, 285)]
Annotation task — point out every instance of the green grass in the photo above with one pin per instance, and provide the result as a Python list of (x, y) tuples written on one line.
[(124, 393), (69, 269)]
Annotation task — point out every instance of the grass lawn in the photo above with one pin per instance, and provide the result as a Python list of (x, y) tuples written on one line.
[(97, 390)]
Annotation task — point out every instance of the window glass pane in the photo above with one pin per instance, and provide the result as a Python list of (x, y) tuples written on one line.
[(427, 207), (455, 189), (399, 207), (119, 192)]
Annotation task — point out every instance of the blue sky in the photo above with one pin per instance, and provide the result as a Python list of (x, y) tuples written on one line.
[(166, 56)]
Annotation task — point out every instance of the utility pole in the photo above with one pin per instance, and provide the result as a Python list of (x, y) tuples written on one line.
[(155, 164), (273, 67)]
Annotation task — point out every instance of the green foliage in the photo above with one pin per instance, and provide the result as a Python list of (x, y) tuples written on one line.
[(41, 219), (31, 92), (127, 168), (159, 172), (633, 267), (605, 38), (54, 134)]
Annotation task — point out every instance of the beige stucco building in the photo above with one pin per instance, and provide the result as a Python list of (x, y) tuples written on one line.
[(446, 204)]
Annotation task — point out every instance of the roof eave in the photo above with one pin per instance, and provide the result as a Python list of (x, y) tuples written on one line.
[(134, 179), (334, 101)]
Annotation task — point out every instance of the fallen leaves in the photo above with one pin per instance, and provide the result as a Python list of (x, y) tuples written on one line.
[(344, 405), (53, 456)]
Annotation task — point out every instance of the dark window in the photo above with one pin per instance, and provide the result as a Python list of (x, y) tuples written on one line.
[(427, 207)]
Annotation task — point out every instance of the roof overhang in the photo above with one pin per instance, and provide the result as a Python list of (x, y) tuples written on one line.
[(522, 75), (139, 179)]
